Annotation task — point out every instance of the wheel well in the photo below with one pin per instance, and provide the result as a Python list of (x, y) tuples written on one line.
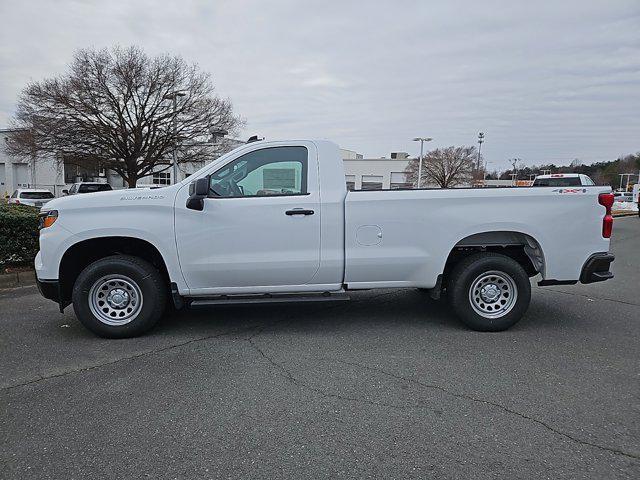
[(81, 254), (521, 247)]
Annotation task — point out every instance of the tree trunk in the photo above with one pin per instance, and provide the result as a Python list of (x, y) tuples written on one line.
[(132, 180)]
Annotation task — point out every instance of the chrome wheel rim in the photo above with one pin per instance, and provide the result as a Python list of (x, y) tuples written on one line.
[(115, 299), (493, 294)]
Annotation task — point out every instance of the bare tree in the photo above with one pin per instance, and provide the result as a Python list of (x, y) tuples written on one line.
[(113, 108), (446, 167)]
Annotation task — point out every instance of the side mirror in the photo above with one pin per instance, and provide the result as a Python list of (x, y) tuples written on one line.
[(198, 191), (65, 191)]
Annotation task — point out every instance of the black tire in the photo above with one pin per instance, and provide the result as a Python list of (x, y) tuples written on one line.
[(139, 288), (500, 275)]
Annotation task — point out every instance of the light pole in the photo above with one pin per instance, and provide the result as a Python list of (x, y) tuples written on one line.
[(173, 96), (480, 140), (421, 140), (514, 175)]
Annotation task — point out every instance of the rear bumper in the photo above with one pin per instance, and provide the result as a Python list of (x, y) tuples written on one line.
[(596, 268)]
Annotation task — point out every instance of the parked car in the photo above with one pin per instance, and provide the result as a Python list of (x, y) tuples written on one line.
[(623, 196), (563, 180), (31, 196), (273, 222), (87, 187)]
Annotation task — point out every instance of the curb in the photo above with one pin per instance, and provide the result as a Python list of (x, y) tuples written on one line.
[(17, 279)]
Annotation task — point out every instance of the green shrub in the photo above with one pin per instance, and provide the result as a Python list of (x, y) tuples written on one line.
[(18, 235)]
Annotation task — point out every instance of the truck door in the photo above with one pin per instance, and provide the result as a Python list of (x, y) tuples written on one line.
[(260, 226)]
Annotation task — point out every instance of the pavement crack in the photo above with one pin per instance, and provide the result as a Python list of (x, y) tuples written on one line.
[(287, 375), (130, 357), (493, 404), (257, 332)]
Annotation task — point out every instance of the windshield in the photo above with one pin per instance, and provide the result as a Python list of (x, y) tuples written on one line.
[(95, 187), (557, 182), (36, 195)]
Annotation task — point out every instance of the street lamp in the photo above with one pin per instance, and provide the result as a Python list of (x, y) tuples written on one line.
[(421, 140), (173, 96), (480, 140), (514, 175), (217, 134)]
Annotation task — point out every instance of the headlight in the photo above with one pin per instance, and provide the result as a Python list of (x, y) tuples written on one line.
[(46, 219)]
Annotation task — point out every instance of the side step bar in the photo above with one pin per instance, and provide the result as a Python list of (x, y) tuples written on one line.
[(267, 298)]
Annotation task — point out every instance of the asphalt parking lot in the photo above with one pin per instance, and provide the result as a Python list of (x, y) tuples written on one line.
[(389, 385)]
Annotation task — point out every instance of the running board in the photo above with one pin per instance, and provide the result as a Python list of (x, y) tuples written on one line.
[(267, 298)]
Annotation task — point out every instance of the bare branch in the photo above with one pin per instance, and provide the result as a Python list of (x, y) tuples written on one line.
[(111, 108), (446, 167)]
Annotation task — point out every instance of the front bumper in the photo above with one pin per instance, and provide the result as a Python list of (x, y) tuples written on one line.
[(50, 289), (596, 268)]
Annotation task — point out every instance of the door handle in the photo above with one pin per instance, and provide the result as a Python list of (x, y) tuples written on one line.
[(299, 211)]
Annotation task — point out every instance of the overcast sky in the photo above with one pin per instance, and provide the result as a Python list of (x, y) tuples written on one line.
[(545, 80)]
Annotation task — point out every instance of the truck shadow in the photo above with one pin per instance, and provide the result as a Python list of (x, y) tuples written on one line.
[(390, 311), (381, 308)]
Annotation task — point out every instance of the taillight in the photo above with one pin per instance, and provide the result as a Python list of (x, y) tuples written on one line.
[(606, 200), (607, 226)]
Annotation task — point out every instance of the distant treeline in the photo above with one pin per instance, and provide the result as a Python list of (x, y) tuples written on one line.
[(602, 173)]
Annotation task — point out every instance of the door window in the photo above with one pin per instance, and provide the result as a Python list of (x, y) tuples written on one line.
[(261, 173)]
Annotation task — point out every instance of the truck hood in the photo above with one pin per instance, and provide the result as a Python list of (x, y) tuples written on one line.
[(128, 196)]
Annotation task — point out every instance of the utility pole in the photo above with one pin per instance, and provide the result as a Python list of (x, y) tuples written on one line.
[(421, 140), (174, 96)]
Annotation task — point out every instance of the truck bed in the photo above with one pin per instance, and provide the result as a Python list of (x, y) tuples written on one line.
[(402, 238)]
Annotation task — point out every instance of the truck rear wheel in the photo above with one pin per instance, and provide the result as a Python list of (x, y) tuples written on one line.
[(489, 292), (119, 296)]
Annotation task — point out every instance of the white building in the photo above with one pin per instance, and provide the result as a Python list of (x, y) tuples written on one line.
[(375, 173), (37, 172), (360, 173), (55, 175)]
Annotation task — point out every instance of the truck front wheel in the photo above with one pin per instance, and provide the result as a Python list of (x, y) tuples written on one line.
[(119, 296), (489, 292)]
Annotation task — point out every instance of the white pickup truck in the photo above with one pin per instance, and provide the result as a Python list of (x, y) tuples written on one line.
[(273, 221)]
